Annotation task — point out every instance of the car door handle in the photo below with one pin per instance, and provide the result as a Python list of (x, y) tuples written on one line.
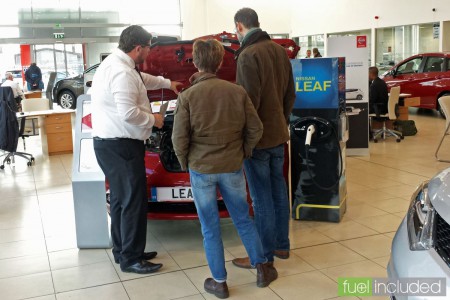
[(438, 77), (410, 79)]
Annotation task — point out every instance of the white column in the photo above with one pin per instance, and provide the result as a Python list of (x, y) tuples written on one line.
[(373, 45)]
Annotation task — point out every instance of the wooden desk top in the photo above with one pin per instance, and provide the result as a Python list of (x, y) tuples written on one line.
[(44, 112)]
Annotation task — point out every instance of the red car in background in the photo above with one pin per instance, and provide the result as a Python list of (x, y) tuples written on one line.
[(169, 188), (424, 75)]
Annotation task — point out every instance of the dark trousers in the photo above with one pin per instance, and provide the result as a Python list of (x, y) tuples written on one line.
[(122, 161)]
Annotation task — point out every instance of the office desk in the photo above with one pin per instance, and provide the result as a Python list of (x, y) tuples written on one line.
[(33, 94), (55, 129)]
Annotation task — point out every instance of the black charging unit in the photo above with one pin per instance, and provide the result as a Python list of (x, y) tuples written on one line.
[(318, 133)]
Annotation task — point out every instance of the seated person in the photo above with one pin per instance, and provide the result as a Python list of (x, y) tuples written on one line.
[(378, 93), (17, 91)]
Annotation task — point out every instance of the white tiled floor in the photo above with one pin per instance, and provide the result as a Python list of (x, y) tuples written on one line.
[(39, 258)]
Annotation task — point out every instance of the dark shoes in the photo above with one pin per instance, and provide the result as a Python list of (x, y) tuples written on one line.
[(266, 273), (283, 254), (220, 290), (243, 262), (142, 267), (145, 256)]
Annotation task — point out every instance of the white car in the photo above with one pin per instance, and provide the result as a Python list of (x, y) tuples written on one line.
[(354, 94), (421, 246)]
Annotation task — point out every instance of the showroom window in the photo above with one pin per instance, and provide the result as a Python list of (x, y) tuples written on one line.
[(308, 43), (394, 44), (58, 29)]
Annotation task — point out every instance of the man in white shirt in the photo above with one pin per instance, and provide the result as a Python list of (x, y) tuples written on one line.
[(17, 91), (122, 120)]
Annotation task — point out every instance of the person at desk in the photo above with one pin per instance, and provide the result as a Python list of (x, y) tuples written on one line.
[(378, 93), (17, 91)]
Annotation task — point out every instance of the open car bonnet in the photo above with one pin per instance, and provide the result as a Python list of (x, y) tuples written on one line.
[(173, 60)]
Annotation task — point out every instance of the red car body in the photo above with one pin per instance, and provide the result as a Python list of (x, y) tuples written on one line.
[(173, 60), (424, 75)]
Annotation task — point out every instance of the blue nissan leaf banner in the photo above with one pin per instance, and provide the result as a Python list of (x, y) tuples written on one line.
[(317, 83)]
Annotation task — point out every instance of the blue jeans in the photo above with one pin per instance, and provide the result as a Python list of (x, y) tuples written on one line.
[(232, 188), (267, 185)]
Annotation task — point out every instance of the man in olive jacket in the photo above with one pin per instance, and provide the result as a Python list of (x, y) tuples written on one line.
[(215, 127), (264, 70)]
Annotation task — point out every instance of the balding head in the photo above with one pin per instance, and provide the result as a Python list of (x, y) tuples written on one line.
[(9, 76)]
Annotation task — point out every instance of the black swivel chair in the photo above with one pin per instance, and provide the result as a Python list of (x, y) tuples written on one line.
[(391, 115), (10, 157)]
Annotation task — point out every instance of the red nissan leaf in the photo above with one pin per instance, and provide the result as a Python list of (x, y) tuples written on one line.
[(169, 188)]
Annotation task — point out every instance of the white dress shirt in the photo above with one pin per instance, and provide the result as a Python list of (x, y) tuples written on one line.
[(120, 106), (17, 91)]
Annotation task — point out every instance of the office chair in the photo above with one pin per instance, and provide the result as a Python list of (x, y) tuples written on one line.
[(444, 102), (28, 105), (10, 157), (391, 115)]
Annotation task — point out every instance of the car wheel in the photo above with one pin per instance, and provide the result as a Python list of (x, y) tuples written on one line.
[(359, 97), (67, 99)]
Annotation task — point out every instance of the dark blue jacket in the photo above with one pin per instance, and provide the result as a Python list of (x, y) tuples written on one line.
[(9, 127), (33, 75)]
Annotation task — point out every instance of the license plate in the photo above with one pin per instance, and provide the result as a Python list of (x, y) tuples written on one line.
[(172, 194)]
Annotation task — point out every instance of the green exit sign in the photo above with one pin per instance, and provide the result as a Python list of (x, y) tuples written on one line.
[(58, 35)]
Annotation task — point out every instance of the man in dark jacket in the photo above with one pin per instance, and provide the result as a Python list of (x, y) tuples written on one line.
[(33, 76), (265, 72), (378, 93), (215, 128)]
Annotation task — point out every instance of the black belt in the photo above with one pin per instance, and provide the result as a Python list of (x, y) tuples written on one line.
[(114, 139)]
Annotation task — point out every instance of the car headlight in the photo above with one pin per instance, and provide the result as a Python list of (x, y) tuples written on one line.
[(420, 220)]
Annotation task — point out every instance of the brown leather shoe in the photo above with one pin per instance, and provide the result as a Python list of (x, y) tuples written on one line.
[(243, 262), (219, 289), (266, 273), (283, 254)]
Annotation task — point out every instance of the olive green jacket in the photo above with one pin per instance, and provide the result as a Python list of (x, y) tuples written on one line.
[(265, 72), (215, 126)]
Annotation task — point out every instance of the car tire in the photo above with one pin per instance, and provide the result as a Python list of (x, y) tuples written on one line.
[(66, 99), (439, 108), (359, 97)]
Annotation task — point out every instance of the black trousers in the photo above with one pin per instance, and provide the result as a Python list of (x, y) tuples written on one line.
[(122, 161)]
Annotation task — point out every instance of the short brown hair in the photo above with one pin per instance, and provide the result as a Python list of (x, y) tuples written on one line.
[(208, 55), (248, 17), (133, 36)]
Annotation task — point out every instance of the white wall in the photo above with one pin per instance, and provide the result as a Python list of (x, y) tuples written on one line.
[(202, 17), (328, 16), (193, 16), (93, 51)]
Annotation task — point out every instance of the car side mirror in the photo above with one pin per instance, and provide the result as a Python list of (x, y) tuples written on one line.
[(89, 83), (393, 73)]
